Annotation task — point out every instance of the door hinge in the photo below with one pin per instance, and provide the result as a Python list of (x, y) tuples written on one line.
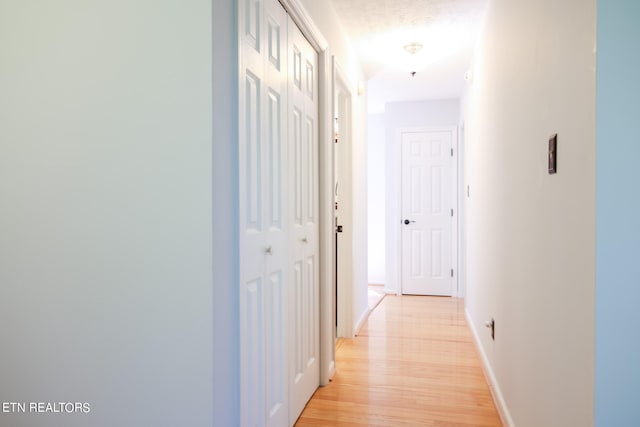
[(451, 211), (452, 152), (452, 272)]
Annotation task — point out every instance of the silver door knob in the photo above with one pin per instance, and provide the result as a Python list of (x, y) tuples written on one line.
[(305, 240), (269, 250)]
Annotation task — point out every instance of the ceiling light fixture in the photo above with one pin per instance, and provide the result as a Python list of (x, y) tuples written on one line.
[(413, 48)]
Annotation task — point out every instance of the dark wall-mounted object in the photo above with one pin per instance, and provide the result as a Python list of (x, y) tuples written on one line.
[(553, 154)]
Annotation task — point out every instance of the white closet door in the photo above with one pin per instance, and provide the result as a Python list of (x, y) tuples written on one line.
[(278, 200), (264, 217), (303, 153)]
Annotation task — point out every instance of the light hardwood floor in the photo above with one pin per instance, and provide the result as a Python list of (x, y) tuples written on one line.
[(414, 363)]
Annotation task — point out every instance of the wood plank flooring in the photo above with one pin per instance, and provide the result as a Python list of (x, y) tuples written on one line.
[(414, 363)]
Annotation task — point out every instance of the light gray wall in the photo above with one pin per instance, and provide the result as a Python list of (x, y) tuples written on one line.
[(617, 372), (439, 112), (226, 306), (531, 235), (397, 116), (106, 211)]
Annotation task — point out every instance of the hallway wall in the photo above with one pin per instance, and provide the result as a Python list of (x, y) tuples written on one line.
[(226, 304), (325, 17), (530, 235), (105, 211), (617, 372), (376, 147)]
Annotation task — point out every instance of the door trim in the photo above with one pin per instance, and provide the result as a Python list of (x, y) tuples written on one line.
[(301, 17), (395, 218), (303, 20), (345, 327)]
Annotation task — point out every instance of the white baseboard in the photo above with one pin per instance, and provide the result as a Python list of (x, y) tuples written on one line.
[(360, 322), (494, 387)]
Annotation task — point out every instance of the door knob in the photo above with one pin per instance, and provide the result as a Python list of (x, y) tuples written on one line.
[(406, 222)]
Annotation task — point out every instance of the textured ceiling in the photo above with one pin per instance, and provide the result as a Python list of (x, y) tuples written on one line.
[(364, 17), (379, 29)]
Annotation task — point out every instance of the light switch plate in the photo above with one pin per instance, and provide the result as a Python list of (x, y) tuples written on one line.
[(553, 154)]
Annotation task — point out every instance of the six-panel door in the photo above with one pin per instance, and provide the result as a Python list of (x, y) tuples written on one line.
[(427, 216), (278, 201)]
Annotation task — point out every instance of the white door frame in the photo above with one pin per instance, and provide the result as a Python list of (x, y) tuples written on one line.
[(325, 128), (462, 193), (344, 95), (397, 220)]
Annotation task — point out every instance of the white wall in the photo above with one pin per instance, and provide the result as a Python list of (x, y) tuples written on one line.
[(377, 201), (401, 115), (106, 211), (530, 235), (360, 206), (326, 19)]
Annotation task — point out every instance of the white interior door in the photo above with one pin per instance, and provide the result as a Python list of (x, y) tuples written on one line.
[(304, 296), (264, 217), (428, 199)]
